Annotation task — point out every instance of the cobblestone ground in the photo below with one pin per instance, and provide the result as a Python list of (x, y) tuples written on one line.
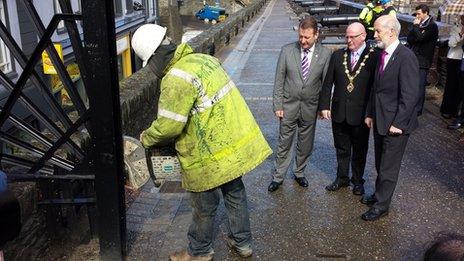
[(296, 223)]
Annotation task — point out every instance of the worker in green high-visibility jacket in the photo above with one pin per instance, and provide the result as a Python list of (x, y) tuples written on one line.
[(216, 137), (368, 15)]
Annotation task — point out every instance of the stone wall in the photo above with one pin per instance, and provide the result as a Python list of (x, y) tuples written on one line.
[(191, 7), (33, 239)]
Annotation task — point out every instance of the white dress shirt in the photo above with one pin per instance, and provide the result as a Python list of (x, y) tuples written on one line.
[(390, 49), (356, 54), (310, 53)]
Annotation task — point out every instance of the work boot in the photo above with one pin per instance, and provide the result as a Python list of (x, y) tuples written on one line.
[(244, 251), (185, 256)]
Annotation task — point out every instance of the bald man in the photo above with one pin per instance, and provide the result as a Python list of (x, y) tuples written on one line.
[(351, 75), (391, 112)]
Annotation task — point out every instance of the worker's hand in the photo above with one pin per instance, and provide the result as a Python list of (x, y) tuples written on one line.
[(416, 21), (393, 131), (369, 122), (279, 114), (141, 136), (325, 114)]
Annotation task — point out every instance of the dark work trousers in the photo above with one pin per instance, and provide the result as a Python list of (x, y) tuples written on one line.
[(451, 96), (351, 143), (204, 206), (422, 83), (389, 151)]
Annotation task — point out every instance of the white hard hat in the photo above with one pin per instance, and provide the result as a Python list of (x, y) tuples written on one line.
[(146, 40)]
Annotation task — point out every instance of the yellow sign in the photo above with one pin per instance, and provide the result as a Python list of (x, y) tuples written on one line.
[(47, 62)]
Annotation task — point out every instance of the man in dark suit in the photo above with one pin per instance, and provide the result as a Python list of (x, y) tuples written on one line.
[(391, 112), (351, 73), (299, 74), (423, 38)]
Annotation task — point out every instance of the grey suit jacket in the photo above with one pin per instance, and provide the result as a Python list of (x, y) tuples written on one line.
[(295, 96)]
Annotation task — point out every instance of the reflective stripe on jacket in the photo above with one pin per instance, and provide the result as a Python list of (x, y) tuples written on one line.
[(364, 12), (217, 139), (371, 16)]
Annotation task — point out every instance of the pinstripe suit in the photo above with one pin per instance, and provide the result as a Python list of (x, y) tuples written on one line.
[(298, 98)]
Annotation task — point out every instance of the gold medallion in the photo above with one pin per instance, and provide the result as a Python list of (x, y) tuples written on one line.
[(350, 87)]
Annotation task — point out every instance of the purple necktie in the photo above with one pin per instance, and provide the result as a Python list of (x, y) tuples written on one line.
[(305, 64), (382, 61), (354, 60)]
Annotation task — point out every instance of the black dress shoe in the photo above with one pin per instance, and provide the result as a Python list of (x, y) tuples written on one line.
[(274, 186), (455, 125), (368, 200), (302, 181), (336, 185), (446, 116), (373, 214), (358, 189)]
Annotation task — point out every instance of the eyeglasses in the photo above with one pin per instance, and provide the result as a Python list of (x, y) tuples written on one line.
[(352, 37)]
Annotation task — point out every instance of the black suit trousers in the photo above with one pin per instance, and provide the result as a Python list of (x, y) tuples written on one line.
[(389, 151), (422, 87), (351, 143), (452, 95)]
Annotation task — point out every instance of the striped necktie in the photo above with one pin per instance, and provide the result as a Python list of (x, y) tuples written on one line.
[(354, 60), (305, 64)]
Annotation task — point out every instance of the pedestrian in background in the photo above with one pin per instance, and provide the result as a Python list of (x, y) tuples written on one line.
[(301, 69), (388, 8), (422, 39), (216, 138), (351, 73), (368, 15), (391, 112), (451, 97), (454, 95)]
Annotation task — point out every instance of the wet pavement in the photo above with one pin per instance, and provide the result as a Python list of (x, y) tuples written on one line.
[(295, 223)]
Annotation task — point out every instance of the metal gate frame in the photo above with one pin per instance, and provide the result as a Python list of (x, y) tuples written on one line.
[(103, 164), (105, 111)]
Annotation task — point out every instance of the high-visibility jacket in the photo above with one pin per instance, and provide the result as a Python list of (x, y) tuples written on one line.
[(364, 12), (216, 137), (368, 18), (390, 10)]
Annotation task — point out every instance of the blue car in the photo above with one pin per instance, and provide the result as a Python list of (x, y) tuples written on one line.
[(213, 14)]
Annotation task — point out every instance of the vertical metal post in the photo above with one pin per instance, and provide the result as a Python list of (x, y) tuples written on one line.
[(105, 121)]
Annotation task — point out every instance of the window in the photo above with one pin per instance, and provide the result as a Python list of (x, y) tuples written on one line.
[(56, 6), (150, 8), (5, 60), (129, 6), (117, 8)]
